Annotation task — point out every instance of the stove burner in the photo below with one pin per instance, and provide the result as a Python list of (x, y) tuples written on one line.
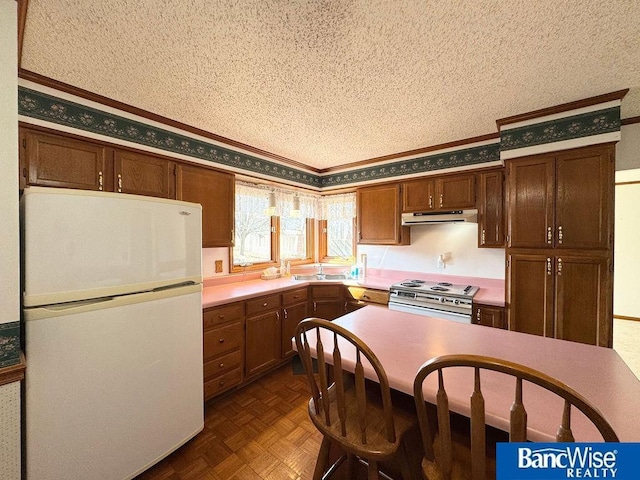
[(416, 281), (411, 284), (445, 284), (436, 288)]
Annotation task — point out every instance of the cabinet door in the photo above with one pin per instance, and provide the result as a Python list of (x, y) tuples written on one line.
[(262, 342), (491, 209), (584, 198), (215, 191), (584, 300), (328, 309), (418, 196), (143, 175), (456, 192), (378, 216), (56, 161), (291, 317), (489, 316), (530, 293), (530, 184)]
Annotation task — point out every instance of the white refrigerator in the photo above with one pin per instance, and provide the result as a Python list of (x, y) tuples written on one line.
[(113, 331)]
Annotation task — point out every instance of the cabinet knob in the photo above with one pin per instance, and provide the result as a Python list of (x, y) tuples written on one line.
[(100, 180), (265, 304), (296, 296), (548, 266), (220, 317), (119, 183), (286, 315), (441, 199), (221, 340), (484, 236), (560, 234), (221, 383), (430, 201), (549, 235), (221, 365)]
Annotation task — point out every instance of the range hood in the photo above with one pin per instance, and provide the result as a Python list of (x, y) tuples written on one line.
[(432, 218)]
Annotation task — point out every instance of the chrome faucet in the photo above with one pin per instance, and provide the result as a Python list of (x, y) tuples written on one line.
[(320, 272)]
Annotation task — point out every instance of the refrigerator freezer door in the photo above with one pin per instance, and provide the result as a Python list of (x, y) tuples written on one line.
[(80, 245), (111, 391)]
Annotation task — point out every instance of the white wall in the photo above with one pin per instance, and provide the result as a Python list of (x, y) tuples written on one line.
[(626, 301), (9, 237), (458, 242), (9, 230), (628, 148)]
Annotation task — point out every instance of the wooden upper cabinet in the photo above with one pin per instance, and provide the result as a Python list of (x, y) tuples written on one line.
[(449, 192), (491, 209), (455, 192), (141, 174), (564, 200), (531, 187), (584, 198), (215, 191), (418, 195), (378, 216), (57, 161)]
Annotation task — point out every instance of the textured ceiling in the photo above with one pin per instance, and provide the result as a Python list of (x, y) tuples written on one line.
[(332, 82)]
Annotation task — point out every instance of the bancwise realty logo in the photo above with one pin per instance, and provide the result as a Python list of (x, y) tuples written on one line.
[(551, 461)]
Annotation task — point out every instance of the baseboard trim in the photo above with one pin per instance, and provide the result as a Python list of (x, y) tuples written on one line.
[(624, 317)]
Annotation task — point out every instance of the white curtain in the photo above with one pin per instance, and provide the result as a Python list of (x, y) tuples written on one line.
[(338, 207), (257, 199)]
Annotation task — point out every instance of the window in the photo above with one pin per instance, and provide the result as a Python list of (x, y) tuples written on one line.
[(337, 239), (268, 230)]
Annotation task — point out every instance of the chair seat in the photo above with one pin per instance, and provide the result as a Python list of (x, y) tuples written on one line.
[(377, 445)]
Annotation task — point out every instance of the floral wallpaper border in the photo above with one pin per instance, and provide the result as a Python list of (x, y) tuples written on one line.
[(577, 126), (35, 104), (459, 158), (39, 105), (9, 344)]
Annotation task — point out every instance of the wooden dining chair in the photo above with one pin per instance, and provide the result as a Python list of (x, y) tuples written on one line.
[(351, 412), (445, 458)]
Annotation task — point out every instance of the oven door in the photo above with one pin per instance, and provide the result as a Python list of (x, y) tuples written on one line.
[(431, 312)]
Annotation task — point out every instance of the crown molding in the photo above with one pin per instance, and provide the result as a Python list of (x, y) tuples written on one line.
[(565, 107), (417, 151), (125, 107), (630, 120)]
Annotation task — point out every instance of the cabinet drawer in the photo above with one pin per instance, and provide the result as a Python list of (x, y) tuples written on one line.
[(294, 296), (222, 340), (218, 315), (222, 364), (325, 291), (223, 382), (368, 295), (263, 304)]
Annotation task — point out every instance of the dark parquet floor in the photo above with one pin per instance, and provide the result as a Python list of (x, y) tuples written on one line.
[(261, 431)]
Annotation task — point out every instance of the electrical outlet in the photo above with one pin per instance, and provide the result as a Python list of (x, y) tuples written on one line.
[(218, 266)]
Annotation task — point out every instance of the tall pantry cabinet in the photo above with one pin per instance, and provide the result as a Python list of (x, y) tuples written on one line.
[(560, 244)]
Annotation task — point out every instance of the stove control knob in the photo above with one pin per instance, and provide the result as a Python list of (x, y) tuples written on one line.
[(456, 301), (442, 299)]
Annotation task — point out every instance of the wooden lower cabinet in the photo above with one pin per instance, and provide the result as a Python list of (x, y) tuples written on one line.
[(326, 301), (263, 334), (223, 348), (561, 296), (489, 316), (294, 310), (358, 297)]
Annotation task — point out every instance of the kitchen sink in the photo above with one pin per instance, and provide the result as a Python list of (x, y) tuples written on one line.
[(322, 276)]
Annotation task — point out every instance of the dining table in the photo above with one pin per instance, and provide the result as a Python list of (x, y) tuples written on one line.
[(403, 342)]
